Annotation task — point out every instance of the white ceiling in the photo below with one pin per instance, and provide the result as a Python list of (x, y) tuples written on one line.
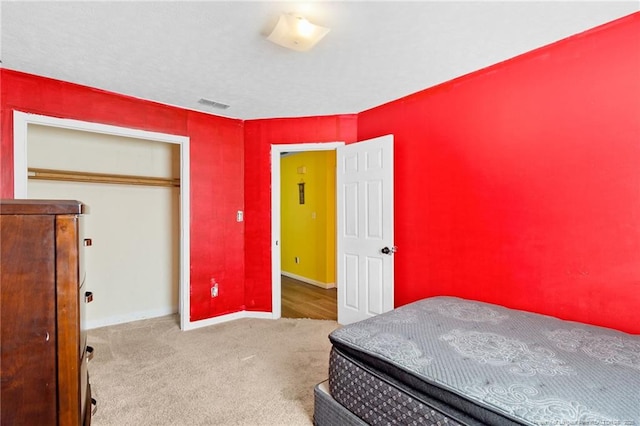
[(177, 52)]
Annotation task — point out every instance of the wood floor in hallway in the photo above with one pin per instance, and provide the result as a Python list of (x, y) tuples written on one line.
[(302, 300)]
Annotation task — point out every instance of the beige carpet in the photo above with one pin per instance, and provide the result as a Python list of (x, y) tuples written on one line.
[(245, 372)]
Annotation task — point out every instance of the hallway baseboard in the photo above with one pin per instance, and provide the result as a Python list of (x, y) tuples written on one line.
[(308, 280)]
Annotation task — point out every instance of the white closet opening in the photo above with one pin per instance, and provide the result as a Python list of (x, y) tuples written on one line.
[(133, 266)]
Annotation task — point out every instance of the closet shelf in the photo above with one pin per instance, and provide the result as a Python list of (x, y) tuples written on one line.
[(75, 176)]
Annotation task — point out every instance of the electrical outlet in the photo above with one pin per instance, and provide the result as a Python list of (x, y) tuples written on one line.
[(214, 288)]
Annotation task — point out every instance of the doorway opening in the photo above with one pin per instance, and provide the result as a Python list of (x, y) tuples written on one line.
[(308, 230), (276, 216)]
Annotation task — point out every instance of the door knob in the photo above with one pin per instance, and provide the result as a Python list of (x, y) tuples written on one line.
[(387, 250)]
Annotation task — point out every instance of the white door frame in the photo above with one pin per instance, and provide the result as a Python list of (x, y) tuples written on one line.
[(276, 257), (21, 123)]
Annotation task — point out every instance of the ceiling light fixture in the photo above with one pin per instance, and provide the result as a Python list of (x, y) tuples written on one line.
[(297, 33)]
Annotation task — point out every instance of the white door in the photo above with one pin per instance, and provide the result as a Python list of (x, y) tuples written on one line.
[(364, 180)]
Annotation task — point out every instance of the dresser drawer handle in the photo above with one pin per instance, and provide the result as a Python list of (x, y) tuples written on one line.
[(89, 350), (88, 242), (94, 406), (88, 296)]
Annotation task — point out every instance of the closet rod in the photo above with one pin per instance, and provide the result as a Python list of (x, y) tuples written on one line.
[(74, 176)]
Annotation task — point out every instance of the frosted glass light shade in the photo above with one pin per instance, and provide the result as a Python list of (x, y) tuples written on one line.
[(295, 32)]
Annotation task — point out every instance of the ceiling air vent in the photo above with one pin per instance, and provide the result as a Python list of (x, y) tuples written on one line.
[(213, 104)]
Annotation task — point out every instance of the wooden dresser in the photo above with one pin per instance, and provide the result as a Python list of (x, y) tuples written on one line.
[(44, 376)]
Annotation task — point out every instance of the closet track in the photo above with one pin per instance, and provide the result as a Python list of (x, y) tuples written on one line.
[(77, 176)]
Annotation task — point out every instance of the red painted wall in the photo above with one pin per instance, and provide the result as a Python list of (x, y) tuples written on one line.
[(216, 145), (519, 184), (259, 135)]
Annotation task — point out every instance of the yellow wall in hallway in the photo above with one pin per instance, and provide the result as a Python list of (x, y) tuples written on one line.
[(308, 230)]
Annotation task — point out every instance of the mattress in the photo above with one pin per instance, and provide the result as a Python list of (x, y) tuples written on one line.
[(466, 362)]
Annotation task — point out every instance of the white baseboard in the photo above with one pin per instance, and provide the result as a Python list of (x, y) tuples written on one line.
[(308, 280), (226, 318), (136, 316), (129, 317)]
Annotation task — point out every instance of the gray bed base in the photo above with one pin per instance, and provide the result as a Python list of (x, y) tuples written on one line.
[(328, 411)]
